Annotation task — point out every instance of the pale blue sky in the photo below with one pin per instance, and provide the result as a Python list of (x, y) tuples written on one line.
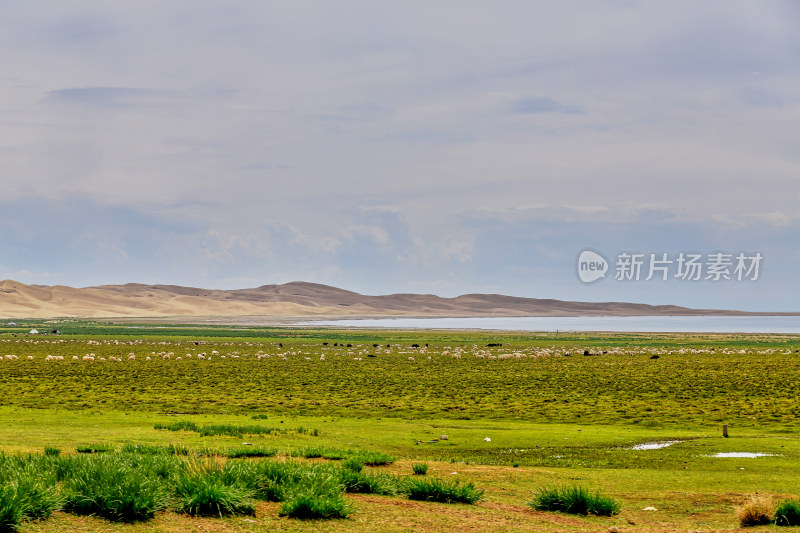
[(445, 147)]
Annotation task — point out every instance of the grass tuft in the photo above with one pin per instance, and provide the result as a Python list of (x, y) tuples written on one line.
[(204, 489), (180, 425), (118, 488), (273, 479), (574, 500), (250, 451), (315, 497), (11, 510), (420, 469), (361, 483), (93, 448), (375, 458), (436, 490), (787, 513), (756, 511), (27, 491), (315, 452), (230, 430), (152, 449), (309, 506)]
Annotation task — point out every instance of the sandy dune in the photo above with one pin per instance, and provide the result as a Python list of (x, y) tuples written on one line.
[(296, 299)]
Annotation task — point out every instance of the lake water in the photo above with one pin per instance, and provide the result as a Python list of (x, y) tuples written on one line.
[(647, 324)]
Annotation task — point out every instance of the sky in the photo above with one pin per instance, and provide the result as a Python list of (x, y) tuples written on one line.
[(443, 147)]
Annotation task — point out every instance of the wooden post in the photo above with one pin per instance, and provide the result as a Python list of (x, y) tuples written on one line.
[(725, 430)]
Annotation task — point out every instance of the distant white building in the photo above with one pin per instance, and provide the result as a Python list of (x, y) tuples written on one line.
[(34, 332)]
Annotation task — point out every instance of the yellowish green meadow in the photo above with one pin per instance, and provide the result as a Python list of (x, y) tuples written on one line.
[(518, 416)]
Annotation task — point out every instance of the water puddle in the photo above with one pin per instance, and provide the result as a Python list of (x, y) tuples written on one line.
[(742, 454), (654, 445)]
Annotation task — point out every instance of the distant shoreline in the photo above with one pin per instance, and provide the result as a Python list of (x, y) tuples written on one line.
[(715, 324)]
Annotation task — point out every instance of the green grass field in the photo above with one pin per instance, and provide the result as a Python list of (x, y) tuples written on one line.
[(551, 419)]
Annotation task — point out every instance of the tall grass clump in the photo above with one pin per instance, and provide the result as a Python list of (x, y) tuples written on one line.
[(316, 495), (12, 511), (52, 451), (27, 491), (361, 483), (180, 425), (154, 449), (250, 451), (420, 469), (230, 430), (234, 430), (315, 452), (436, 490), (309, 452), (375, 458), (787, 513), (118, 488), (36, 487), (756, 511), (204, 489), (274, 479), (334, 454), (311, 505), (63, 466), (574, 500), (93, 448), (353, 464)]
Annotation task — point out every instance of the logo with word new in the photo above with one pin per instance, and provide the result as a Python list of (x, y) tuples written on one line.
[(591, 266), (664, 266)]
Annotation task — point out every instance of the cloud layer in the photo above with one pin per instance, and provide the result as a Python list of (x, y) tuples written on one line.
[(448, 148)]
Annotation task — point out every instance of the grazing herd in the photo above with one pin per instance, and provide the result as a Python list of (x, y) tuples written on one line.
[(142, 350)]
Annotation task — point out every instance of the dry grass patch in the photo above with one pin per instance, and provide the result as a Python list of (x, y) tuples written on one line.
[(757, 511)]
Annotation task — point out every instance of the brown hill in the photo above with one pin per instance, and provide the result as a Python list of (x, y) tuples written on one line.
[(296, 299)]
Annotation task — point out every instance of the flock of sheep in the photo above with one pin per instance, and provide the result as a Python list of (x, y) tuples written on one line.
[(358, 352)]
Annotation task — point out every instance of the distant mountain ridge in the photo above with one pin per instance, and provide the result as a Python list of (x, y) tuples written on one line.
[(297, 299)]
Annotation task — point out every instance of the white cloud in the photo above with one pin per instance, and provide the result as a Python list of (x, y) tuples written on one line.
[(299, 135)]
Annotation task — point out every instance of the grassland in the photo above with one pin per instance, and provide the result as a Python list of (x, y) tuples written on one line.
[(552, 419)]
